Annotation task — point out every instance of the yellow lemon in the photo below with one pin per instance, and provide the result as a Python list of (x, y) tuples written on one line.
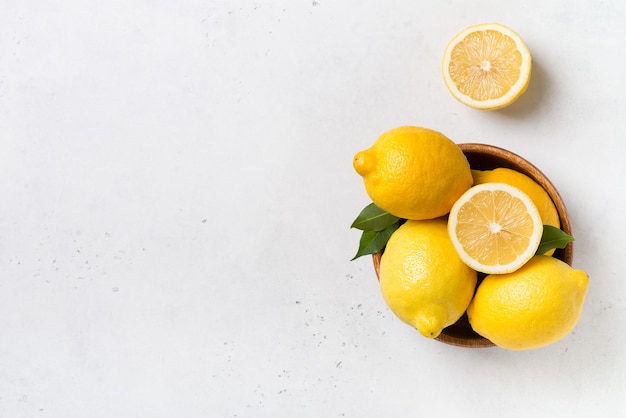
[(422, 279), (535, 306), (541, 198), (495, 228), (487, 66), (414, 173)]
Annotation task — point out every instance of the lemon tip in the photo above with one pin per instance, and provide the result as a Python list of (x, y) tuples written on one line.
[(363, 163)]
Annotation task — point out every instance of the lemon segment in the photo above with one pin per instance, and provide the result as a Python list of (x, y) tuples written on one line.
[(487, 66), (495, 228), (532, 307)]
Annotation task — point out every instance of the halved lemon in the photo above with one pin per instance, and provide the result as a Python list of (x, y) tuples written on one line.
[(487, 66), (495, 228)]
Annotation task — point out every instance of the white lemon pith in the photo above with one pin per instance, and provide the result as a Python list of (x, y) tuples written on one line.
[(487, 66), (422, 279), (414, 173), (495, 228), (536, 305)]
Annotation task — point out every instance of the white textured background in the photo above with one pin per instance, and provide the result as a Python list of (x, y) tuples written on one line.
[(176, 187)]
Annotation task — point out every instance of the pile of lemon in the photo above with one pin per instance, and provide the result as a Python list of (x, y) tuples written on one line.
[(460, 222), (445, 223)]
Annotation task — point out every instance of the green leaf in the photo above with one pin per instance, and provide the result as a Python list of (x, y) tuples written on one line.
[(553, 238), (373, 218), (374, 241)]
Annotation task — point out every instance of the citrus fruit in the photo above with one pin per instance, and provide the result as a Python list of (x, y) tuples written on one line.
[(532, 307), (487, 66), (541, 198), (414, 173), (495, 228), (422, 279)]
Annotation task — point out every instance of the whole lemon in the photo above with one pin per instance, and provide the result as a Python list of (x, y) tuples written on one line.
[(414, 173), (422, 278), (536, 305)]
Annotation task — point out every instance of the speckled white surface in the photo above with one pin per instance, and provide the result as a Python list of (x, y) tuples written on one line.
[(177, 187)]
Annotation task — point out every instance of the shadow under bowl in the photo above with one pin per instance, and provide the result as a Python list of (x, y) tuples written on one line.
[(489, 157)]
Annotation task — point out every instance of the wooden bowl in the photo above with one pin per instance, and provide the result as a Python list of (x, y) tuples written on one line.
[(488, 157)]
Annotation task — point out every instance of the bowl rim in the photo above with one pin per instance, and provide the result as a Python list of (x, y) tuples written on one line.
[(508, 159)]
